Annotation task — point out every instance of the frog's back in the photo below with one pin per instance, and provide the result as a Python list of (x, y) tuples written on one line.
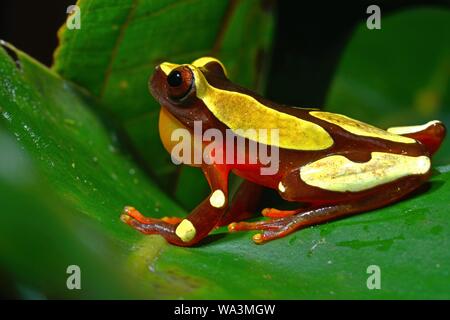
[(318, 130)]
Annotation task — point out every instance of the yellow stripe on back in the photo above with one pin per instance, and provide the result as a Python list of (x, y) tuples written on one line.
[(412, 129), (201, 62), (167, 67), (241, 112), (358, 127)]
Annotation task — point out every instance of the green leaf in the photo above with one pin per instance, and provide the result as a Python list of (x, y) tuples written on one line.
[(117, 47), (40, 236), (399, 75)]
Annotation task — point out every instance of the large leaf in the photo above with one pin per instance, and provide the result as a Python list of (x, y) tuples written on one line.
[(117, 47), (88, 177), (41, 236)]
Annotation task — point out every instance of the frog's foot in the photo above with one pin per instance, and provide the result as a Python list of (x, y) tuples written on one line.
[(165, 227), (277, 228), (271, 229), (135, 214), (430, 134), (276, 214)]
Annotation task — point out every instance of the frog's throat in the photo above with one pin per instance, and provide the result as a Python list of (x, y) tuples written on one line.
[(291, 132), (167, 125)]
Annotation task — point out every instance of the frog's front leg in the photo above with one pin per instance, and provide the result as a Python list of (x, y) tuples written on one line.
[(200, 221)]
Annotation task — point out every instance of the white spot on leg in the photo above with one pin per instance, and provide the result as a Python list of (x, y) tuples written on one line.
[(412, 129), (281, 187), (217, 199), (185, 231)]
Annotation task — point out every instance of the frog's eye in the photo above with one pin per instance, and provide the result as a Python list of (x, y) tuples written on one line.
[(180, 82)]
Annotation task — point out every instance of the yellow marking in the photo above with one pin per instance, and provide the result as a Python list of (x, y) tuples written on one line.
[(167, 67), (123, 84), (217, 199), (167, 125), (281, 187), (358, 127), (412, 129), (257, 238), (294, 133), (428, 100), (338, 173), (185, 230), (244, 115), (203, 61)]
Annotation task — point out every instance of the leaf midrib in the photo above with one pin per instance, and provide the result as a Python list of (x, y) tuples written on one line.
[(115, 49)]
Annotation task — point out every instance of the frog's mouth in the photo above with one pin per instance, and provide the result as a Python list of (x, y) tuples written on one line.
[(177, 148)]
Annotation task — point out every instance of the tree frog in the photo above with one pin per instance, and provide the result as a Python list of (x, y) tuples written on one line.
[(333, 165)]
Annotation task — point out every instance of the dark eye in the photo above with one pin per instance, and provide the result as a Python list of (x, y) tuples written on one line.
[(180, 81), (174, 79)]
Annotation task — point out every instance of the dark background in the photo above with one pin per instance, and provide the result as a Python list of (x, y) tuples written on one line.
[(303, 63)]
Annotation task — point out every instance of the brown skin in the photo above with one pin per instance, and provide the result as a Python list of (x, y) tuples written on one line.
[(181, 101)]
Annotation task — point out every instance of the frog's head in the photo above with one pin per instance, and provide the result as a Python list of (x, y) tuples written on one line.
[(180, 89)]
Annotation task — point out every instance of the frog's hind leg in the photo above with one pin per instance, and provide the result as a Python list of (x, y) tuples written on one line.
[(275, 222), (377, 197), (430, 134)]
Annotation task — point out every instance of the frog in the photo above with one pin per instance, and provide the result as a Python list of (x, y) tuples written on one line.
[(332, 165)]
